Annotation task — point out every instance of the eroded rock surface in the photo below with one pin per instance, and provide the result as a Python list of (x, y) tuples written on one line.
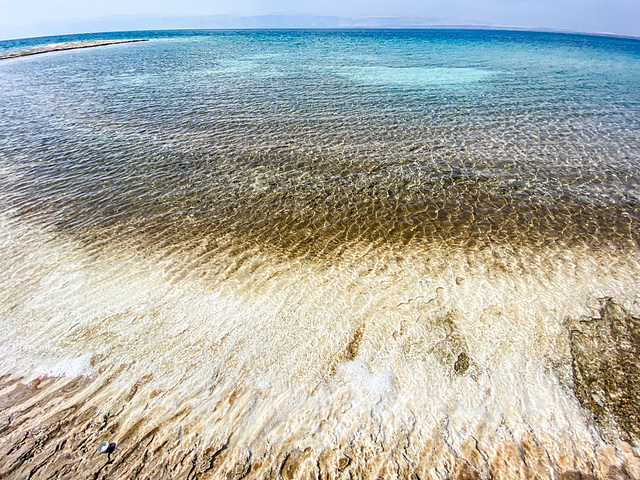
[(606, 370)]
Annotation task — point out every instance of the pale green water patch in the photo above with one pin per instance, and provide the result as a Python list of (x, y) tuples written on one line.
[(414, 76), (236, 66)]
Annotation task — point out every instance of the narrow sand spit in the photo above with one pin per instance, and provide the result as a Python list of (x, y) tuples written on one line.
[(57, 47)]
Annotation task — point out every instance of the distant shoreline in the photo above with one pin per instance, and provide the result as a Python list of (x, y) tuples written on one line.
[(57, 47)]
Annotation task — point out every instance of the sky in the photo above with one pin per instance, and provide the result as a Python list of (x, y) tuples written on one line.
[(28, 18)]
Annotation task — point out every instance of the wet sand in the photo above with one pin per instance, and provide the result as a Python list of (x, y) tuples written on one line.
[(58, 47)]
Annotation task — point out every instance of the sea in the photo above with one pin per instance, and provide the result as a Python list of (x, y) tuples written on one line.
[(279, 254)]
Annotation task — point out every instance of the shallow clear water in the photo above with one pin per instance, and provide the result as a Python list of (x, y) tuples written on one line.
[(316, 235)]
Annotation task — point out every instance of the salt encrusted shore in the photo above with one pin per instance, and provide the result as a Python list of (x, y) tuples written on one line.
[(57, 47)]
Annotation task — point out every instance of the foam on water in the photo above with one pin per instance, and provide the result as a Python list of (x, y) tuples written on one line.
[(65, 367), (359, 373)]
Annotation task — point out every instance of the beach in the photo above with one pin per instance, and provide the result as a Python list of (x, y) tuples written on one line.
[(322, 254)]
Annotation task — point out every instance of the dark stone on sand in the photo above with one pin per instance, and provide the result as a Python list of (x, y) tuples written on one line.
[(106, 447), (462, 364), (606, 370), (343, 463)]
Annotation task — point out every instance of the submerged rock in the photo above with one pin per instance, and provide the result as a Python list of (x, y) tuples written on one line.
[(606, 370), (462, 364)]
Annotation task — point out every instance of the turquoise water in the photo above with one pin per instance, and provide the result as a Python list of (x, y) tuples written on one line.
[(297, 238)]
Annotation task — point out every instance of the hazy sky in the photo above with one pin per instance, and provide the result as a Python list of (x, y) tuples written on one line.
[(41, 17)]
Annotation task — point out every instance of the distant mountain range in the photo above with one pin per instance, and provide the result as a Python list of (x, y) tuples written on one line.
[(122, 23), (126, 23)]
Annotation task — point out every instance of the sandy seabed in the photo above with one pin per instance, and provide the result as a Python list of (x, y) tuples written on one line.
[(189, 382)]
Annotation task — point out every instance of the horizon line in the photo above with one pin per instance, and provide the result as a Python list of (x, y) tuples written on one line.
[(408, 26)]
